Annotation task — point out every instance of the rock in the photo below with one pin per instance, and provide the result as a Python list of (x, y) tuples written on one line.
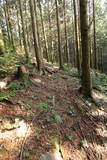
[(51, 156)]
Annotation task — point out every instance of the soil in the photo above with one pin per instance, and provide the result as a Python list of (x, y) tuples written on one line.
[(51, 109)]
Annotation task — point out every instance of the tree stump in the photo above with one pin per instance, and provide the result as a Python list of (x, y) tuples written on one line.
[(22, 73)]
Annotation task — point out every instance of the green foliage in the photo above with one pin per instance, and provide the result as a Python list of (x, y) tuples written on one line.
[(50, 96), (73, 72), (56, 117), (8, 63), (26, 154), (74, 127), (43, 107), (70, 110), (47, 118), (55, 76), (99, 81), (6, 94), (37, 132), (24, 106), (68, 137), (15, 86), (84, 143)]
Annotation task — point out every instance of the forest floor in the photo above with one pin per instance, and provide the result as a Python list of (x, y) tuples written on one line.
[(49, 110)]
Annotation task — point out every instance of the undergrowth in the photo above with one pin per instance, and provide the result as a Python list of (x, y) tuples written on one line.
[(99, 81), (8, 93)]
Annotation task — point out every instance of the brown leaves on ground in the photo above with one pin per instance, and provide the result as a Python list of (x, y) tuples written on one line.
[(58, 111)]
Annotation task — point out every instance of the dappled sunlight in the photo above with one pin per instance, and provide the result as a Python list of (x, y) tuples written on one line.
[(18, 130), (2, 85), (97, 112), (38, 80), (22, 130), (99, 95)]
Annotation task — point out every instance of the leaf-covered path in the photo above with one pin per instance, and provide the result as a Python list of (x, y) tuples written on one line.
[(52, 111)]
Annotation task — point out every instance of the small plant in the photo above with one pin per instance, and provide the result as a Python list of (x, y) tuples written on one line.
[(34, 96), (70, 110), (24, 106), (73, 72), (15, 86), (84, 143), (43, 107), (38, 132), (50, 101), (68, 137), (26, 154), (74, 126), (50, 96), (47, 118), (56, 117), (55, 76), (6, 94)]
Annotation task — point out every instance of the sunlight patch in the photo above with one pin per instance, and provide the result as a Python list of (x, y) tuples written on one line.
[(37, 80), (22, 130)]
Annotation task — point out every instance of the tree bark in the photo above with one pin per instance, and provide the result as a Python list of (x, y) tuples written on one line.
[(1, 43), (76, 38), (36, 43), (23, 31), (43, 32), (18, 23), (7, 14), (86, 79), (94, 37), (59, 37), (65, 30)]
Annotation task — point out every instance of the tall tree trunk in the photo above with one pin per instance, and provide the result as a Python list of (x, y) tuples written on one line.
[(38, 33), (94, 37), (23, 31), (102, 67), (43, 32), (1, 43), (86, 79), (26, 28), (65, 30), (50, 48), (18, 23), (59, 37), (90, 39), (76, 38), (9, 24), (36, 44)]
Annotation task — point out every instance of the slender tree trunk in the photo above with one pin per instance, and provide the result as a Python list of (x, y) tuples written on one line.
[(86, 79), (1, 43), (43, 32), (26, 28), (58, 35), (36, 44), (94, 37), (76, 38), (90, 40), (9, 24), (38, 33), (102, 67), (18, 23), (23, 31), (50, 48), (65, 30)]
